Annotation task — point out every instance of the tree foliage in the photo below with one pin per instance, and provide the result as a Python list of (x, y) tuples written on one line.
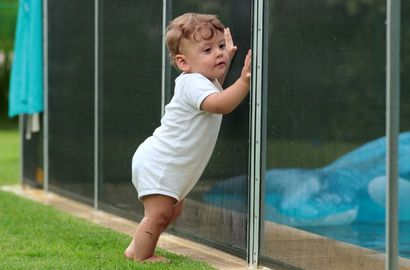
[(8, 16)]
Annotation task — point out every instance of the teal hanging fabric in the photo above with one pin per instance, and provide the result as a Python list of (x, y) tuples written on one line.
[(26, 80)]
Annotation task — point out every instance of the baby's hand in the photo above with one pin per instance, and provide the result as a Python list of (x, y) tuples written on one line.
[(229, 43), (246, 70)]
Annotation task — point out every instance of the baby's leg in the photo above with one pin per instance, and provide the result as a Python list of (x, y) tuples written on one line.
[(158, 213), (176, 211)]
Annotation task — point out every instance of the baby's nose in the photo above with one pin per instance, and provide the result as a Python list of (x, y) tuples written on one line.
[(219, 52)]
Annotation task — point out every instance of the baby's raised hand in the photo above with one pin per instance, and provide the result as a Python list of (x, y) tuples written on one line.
[(246, 70), (230, 47)]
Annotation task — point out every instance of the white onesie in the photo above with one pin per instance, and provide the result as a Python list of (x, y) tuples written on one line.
[(171, 161)]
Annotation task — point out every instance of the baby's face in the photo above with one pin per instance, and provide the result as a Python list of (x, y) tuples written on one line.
[(207, 57)]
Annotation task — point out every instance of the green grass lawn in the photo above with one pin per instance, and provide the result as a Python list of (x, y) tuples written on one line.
[(36, 236), (9, 156)]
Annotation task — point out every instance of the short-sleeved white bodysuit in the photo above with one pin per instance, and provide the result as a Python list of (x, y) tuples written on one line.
[(171, 161)]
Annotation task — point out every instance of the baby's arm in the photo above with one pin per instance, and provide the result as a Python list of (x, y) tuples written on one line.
[(231, 48), (227, 100)]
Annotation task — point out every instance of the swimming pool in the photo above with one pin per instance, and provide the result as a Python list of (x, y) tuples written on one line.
[(344, 200)]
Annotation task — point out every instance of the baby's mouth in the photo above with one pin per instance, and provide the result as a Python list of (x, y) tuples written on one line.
[(220, 64)]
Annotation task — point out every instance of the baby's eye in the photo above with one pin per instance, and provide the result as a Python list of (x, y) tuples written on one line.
[(207, 50), (222, 46)]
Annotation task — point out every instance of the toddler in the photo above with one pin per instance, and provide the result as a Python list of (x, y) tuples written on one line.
[(167, 165)]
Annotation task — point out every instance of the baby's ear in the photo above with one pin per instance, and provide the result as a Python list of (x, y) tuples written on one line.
[(181, 63)]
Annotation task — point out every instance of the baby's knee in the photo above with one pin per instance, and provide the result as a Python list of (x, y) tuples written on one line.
[(160, 217), (158, 209)]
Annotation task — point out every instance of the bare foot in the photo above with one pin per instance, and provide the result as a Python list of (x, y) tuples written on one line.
[(155, 259), (129, 252)]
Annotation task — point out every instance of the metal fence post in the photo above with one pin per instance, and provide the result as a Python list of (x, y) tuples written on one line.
[(96, 104), (392, 130), (45, 98), (166, 69), (255, 172)]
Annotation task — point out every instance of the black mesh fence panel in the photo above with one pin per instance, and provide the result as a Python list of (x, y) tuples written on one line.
[(324, 101), (71, 97), (215, 211), (325, 167), (130, 39), (32, 146), (404, 154)]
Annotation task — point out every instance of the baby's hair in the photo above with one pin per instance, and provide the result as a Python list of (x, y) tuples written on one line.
[(190, 26)]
